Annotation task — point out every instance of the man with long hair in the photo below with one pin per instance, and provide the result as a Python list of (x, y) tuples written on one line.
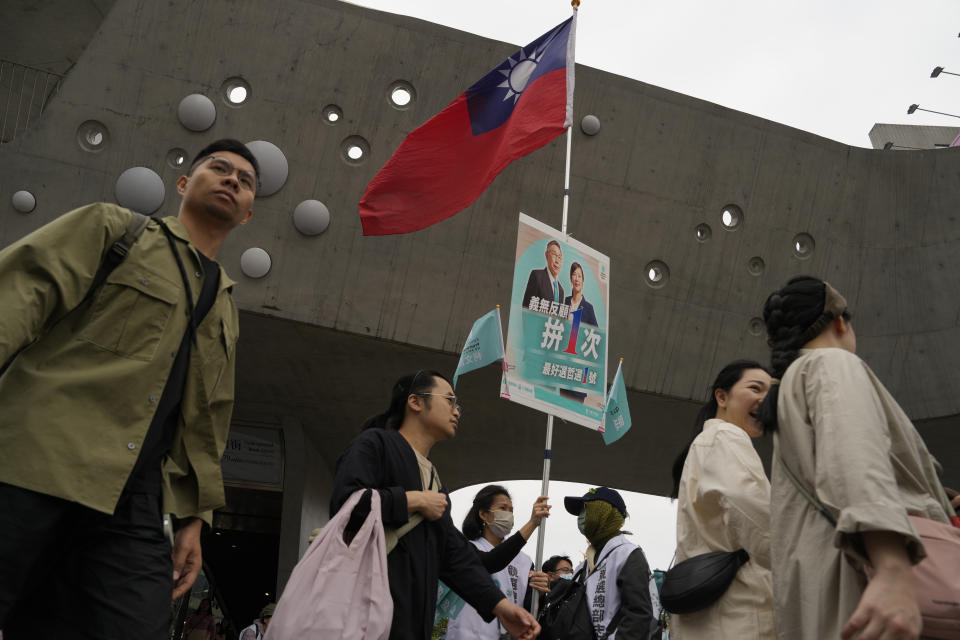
[(391, 455)]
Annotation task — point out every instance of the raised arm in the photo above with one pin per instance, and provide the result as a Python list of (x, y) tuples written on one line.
[(500, 556), (855, 476), (854, 473)]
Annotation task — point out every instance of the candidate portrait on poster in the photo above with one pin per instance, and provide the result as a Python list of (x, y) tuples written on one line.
[(557, 335)]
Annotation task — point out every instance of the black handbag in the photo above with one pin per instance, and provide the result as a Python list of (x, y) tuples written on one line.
[(698, 582), (566, 614)]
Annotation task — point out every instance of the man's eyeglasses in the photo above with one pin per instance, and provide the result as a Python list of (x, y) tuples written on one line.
[(564, 570), (451, 398), (223, 167)]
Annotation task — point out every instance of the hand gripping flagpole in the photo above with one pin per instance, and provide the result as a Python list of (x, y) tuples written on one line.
[(547, 447)]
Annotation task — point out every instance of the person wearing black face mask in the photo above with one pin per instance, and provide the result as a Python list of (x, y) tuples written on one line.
[(487, 525), (558, 568)]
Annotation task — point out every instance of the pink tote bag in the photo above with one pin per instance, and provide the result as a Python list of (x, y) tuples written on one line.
[(336, 590), (937, 579)]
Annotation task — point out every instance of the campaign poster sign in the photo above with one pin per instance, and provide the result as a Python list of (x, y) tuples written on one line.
[(557, 334)]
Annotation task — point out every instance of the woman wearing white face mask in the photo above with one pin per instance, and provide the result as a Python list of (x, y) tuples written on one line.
[(487, 525)]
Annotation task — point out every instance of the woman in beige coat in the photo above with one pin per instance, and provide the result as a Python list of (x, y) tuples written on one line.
[(849, 444), (724, 505)]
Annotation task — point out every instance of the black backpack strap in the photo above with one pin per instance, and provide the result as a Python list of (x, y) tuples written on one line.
[(116, 254), (618, 616), (119, 250)]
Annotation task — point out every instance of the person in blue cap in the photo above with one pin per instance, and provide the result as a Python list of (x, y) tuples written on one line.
[(615, 571)]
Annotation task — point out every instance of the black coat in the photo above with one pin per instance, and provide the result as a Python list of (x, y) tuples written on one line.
[(382, 459), (538, 284), (589, 316)]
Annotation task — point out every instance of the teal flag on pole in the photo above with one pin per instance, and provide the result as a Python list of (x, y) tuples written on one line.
[(616, 412), (483, 346)]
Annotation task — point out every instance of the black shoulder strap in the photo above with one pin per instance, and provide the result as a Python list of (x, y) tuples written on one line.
[(191, 311), (615, 622), (581, 576), (816, 504)]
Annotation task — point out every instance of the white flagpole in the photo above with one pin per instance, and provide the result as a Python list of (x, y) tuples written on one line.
[(547, 447)]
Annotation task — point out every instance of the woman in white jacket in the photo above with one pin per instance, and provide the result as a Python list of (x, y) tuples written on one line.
[(724, 505)]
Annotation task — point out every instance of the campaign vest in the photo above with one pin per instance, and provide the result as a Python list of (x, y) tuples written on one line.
[(603, 596), (512, 580)]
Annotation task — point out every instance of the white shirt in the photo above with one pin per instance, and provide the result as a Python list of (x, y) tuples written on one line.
[(554, 285)]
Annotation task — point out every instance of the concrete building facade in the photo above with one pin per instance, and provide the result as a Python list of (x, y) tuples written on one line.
[(338, 316)]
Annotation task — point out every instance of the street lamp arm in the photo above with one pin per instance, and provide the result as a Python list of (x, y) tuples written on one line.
[(917, 107)]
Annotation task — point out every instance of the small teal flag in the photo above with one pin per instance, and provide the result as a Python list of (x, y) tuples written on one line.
[(616, 413), (483, 346)]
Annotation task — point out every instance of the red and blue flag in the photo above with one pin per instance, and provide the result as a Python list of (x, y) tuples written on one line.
[(444, 165)]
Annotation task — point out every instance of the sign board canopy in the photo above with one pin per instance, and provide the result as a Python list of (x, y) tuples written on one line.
[(253, 458)]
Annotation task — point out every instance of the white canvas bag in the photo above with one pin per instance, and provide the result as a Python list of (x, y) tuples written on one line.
[(339, 590)]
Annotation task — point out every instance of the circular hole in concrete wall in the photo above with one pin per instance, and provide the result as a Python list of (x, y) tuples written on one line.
[(656, 273), (255, 262), (703, 232), (803, 245), (755, 326), (177, 158), (731, 217), (92, 136), (402, 94), (235, 91), (354, 150), (23, 201), (756, 265), (332, 114)]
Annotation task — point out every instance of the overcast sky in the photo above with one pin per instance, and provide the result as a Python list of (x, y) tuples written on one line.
[(833, 67)]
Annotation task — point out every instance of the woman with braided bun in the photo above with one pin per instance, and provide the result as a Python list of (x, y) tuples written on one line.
[(847, 444)]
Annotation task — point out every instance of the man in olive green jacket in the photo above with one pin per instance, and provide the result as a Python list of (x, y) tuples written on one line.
[(115, 407)]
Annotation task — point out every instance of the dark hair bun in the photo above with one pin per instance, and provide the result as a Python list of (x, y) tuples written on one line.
[(787, 314)]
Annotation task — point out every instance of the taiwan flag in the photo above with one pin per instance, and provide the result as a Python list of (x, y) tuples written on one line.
[(444, 165)]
